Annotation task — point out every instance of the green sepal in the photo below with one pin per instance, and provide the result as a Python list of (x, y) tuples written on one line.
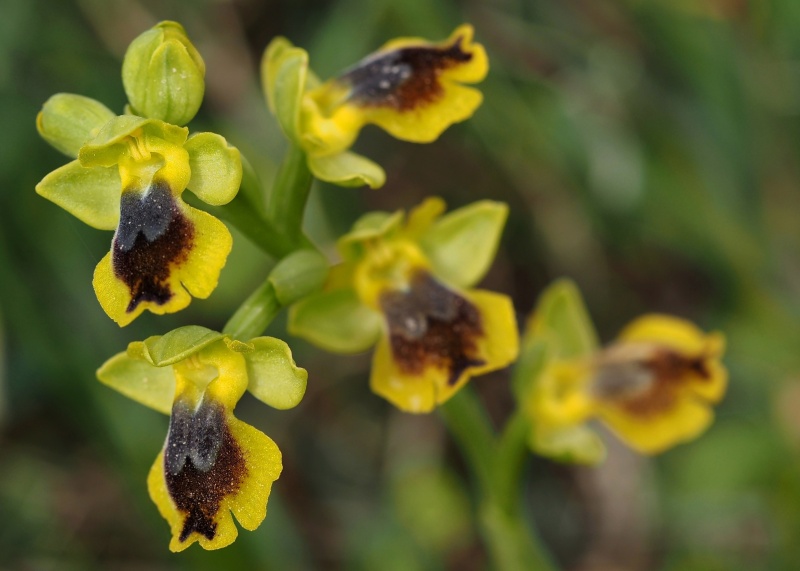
[(559, 329), (163, 74), (284, 69), (178, 344), (335, 320), (131, 375), (67, 121), (298, 275), (110, 142), (216, 168), (570, 445), (274, 378), (462, 244), (371, 226), (347, 169), (92, 195), (562, 321)]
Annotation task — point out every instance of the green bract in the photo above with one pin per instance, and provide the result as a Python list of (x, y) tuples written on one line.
[(297, 275), (144, 373), (163, 74), (67, 121), (285, 78)]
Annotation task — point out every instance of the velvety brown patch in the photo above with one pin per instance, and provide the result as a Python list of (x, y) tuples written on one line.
[(153, 235), (405, 78), (430, 325), (666, 372), (203, 464)]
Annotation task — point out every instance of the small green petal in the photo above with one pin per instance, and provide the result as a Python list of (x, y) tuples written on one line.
[(336, 321), (298, 275), (92, 195), (461, 245), (163, 74), (216, 168), (284, 70), (347, 169), (67, 121), (370, 226), (139, 380), (109, 144), (273, 376), (573, 444), (178, 344)]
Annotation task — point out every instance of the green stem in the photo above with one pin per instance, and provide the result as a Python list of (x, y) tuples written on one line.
[(287, 199), (470, 427), (255, 314), (242, 214), (497, 464)]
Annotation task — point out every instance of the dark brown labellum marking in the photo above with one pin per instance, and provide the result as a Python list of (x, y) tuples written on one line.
[(649, 386), (153, 235), (405, 78), (203, 464), (430, 325)]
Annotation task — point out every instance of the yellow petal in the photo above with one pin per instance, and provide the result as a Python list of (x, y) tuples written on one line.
[(239, 481), (410, 87), (157, 263), (417, 371), (686, 339), (684, 420)]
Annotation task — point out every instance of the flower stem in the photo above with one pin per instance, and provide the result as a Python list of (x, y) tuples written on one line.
[(497, 465)]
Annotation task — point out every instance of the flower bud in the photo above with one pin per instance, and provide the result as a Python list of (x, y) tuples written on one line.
[(67, 121), (163, 75)]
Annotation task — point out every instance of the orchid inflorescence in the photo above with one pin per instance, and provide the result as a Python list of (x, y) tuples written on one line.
[(404, 283)]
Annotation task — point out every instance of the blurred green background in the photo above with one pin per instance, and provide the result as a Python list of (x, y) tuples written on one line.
[(648, 149)]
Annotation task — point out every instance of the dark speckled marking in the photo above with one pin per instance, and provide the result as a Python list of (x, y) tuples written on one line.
[(651, 386), (403, 79), (430, 325), (202, 464), (152, 236)]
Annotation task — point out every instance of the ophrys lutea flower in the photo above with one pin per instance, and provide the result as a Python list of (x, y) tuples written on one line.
[(212, 464), (131, 170), (405, 287), (412, 88), (654, 387), (129, 177)]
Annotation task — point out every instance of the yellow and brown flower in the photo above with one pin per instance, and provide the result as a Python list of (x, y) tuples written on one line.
[(404, 285), (411, 88), (654, 386), (212, 465), (129, 177)]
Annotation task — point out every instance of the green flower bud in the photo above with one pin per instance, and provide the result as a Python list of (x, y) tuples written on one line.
[(163, 74), (67, 121)]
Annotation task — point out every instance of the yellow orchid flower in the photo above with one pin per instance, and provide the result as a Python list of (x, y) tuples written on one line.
[(129, 177), (212, 464), (405, 286), (412, 88)]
